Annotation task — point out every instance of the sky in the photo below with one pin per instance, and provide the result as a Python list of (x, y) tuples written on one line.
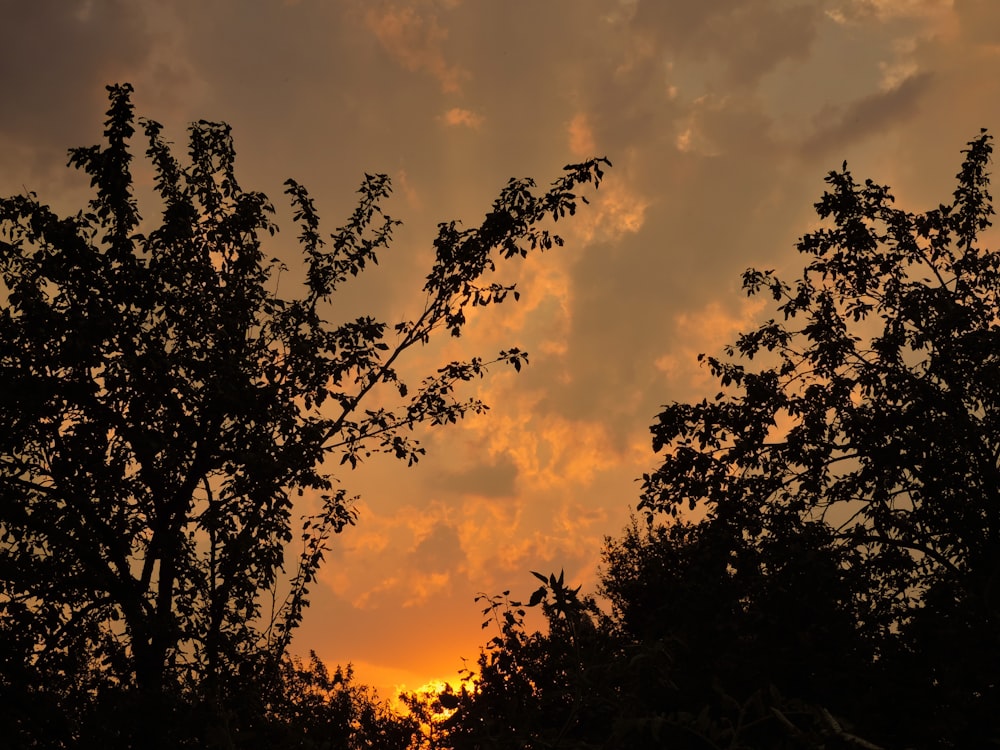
[(721, 118)]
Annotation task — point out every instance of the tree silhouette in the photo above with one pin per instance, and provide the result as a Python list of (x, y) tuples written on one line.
[(161, 406), (875, 418)]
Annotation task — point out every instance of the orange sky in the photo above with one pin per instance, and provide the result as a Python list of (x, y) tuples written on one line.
[(721, 118)]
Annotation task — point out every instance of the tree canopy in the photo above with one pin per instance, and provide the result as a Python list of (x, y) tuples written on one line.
[(162, 406), (873, 421)]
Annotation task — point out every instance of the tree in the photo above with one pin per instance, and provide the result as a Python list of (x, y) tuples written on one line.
[(530, 690), (314, 709), (161, 407), (686, 658), (873, 418), (737, 641)]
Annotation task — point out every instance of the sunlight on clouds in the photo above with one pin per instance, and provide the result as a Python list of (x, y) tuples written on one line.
[(934, 9), (415, 41), (577, 519), (581, 136), (938, 21), (384, 550), (860, 11), (421, 586), (538, 322), (578, 450), (692, 138), (546, 287), (401, 184), (902, 67), (549, 450), (387, 584), (617, 209), (410, 588), (496, 554), (636, 55), (492, 539), (706, 332), (367, 541), (458, 117)]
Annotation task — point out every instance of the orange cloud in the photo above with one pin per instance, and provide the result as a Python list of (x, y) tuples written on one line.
[(692, 137), (415, 42), (402, 182), (458, 117), (548, 449), (706, 331), (617, 209), (884, 10), (581, 137)]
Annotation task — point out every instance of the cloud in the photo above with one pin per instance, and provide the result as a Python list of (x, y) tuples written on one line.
[(437, 551), (691, 137), (55, 59), (458, 117), (617, 209), (401, 558), (415, 40), (749, 38), (549, 449), (581, 136), (875, 113), (401, 184), (862, 11), (705, 331), (495, 480)]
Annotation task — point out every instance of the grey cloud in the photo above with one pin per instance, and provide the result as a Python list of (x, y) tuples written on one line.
[(749, 38), (486, 480), (55, 58), (839, 127), (439, 551), (709, 218)]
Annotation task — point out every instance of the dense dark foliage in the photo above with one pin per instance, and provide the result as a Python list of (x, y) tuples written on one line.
[(160, 408), (874, 423), (840, 589)]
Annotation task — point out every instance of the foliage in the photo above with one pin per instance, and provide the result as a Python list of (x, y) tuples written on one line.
[(875, 417), (161, 407), (528, 690), (315, 709), (747, 645), (592, 680)]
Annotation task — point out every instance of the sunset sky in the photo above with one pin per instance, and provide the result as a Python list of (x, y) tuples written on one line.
[(721, 118)]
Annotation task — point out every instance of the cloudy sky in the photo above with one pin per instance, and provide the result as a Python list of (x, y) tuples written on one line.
[(721, 118)]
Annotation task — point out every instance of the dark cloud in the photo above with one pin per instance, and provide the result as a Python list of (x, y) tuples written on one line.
[(485, 479), (710, 217), (749, 38), (56, 56), (839, 127), (438, 552)]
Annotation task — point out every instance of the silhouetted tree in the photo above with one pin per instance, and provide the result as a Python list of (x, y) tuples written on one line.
[(873, 420), (161, 406), (530, 690), (314, 709), (744, 642), (594, 680)]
